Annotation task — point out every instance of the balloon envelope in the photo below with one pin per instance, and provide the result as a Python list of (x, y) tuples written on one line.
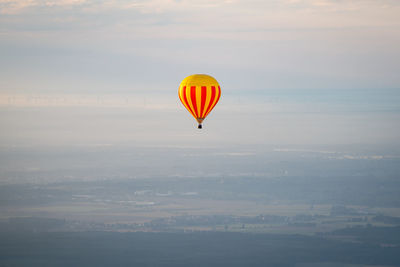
[(199, 93)]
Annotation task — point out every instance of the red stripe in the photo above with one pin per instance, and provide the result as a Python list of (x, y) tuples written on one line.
[(203, 100), (185, 99), (193, 98), (211, 100)]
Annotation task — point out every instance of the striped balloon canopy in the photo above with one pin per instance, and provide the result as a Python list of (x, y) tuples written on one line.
[(199, 93)]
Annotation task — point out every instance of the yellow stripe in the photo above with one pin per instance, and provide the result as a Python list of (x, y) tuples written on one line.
[(181, 96), (189, 99), (198, 99)]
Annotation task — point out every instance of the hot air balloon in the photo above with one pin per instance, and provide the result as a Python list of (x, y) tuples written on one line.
[(199, 93)]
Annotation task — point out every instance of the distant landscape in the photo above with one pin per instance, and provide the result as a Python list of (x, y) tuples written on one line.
[(321, 206)]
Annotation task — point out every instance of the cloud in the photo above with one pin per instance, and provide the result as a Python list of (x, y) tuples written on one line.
[(11, 7), (14, 7), (219, 18)]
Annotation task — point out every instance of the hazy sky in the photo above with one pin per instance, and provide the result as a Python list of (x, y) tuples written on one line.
[(116, 45), (291, 71)]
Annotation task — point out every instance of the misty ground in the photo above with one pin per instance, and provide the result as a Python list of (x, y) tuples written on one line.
[(276, 206)]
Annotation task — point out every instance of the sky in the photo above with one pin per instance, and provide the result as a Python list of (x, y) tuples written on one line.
[(291, 71)]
